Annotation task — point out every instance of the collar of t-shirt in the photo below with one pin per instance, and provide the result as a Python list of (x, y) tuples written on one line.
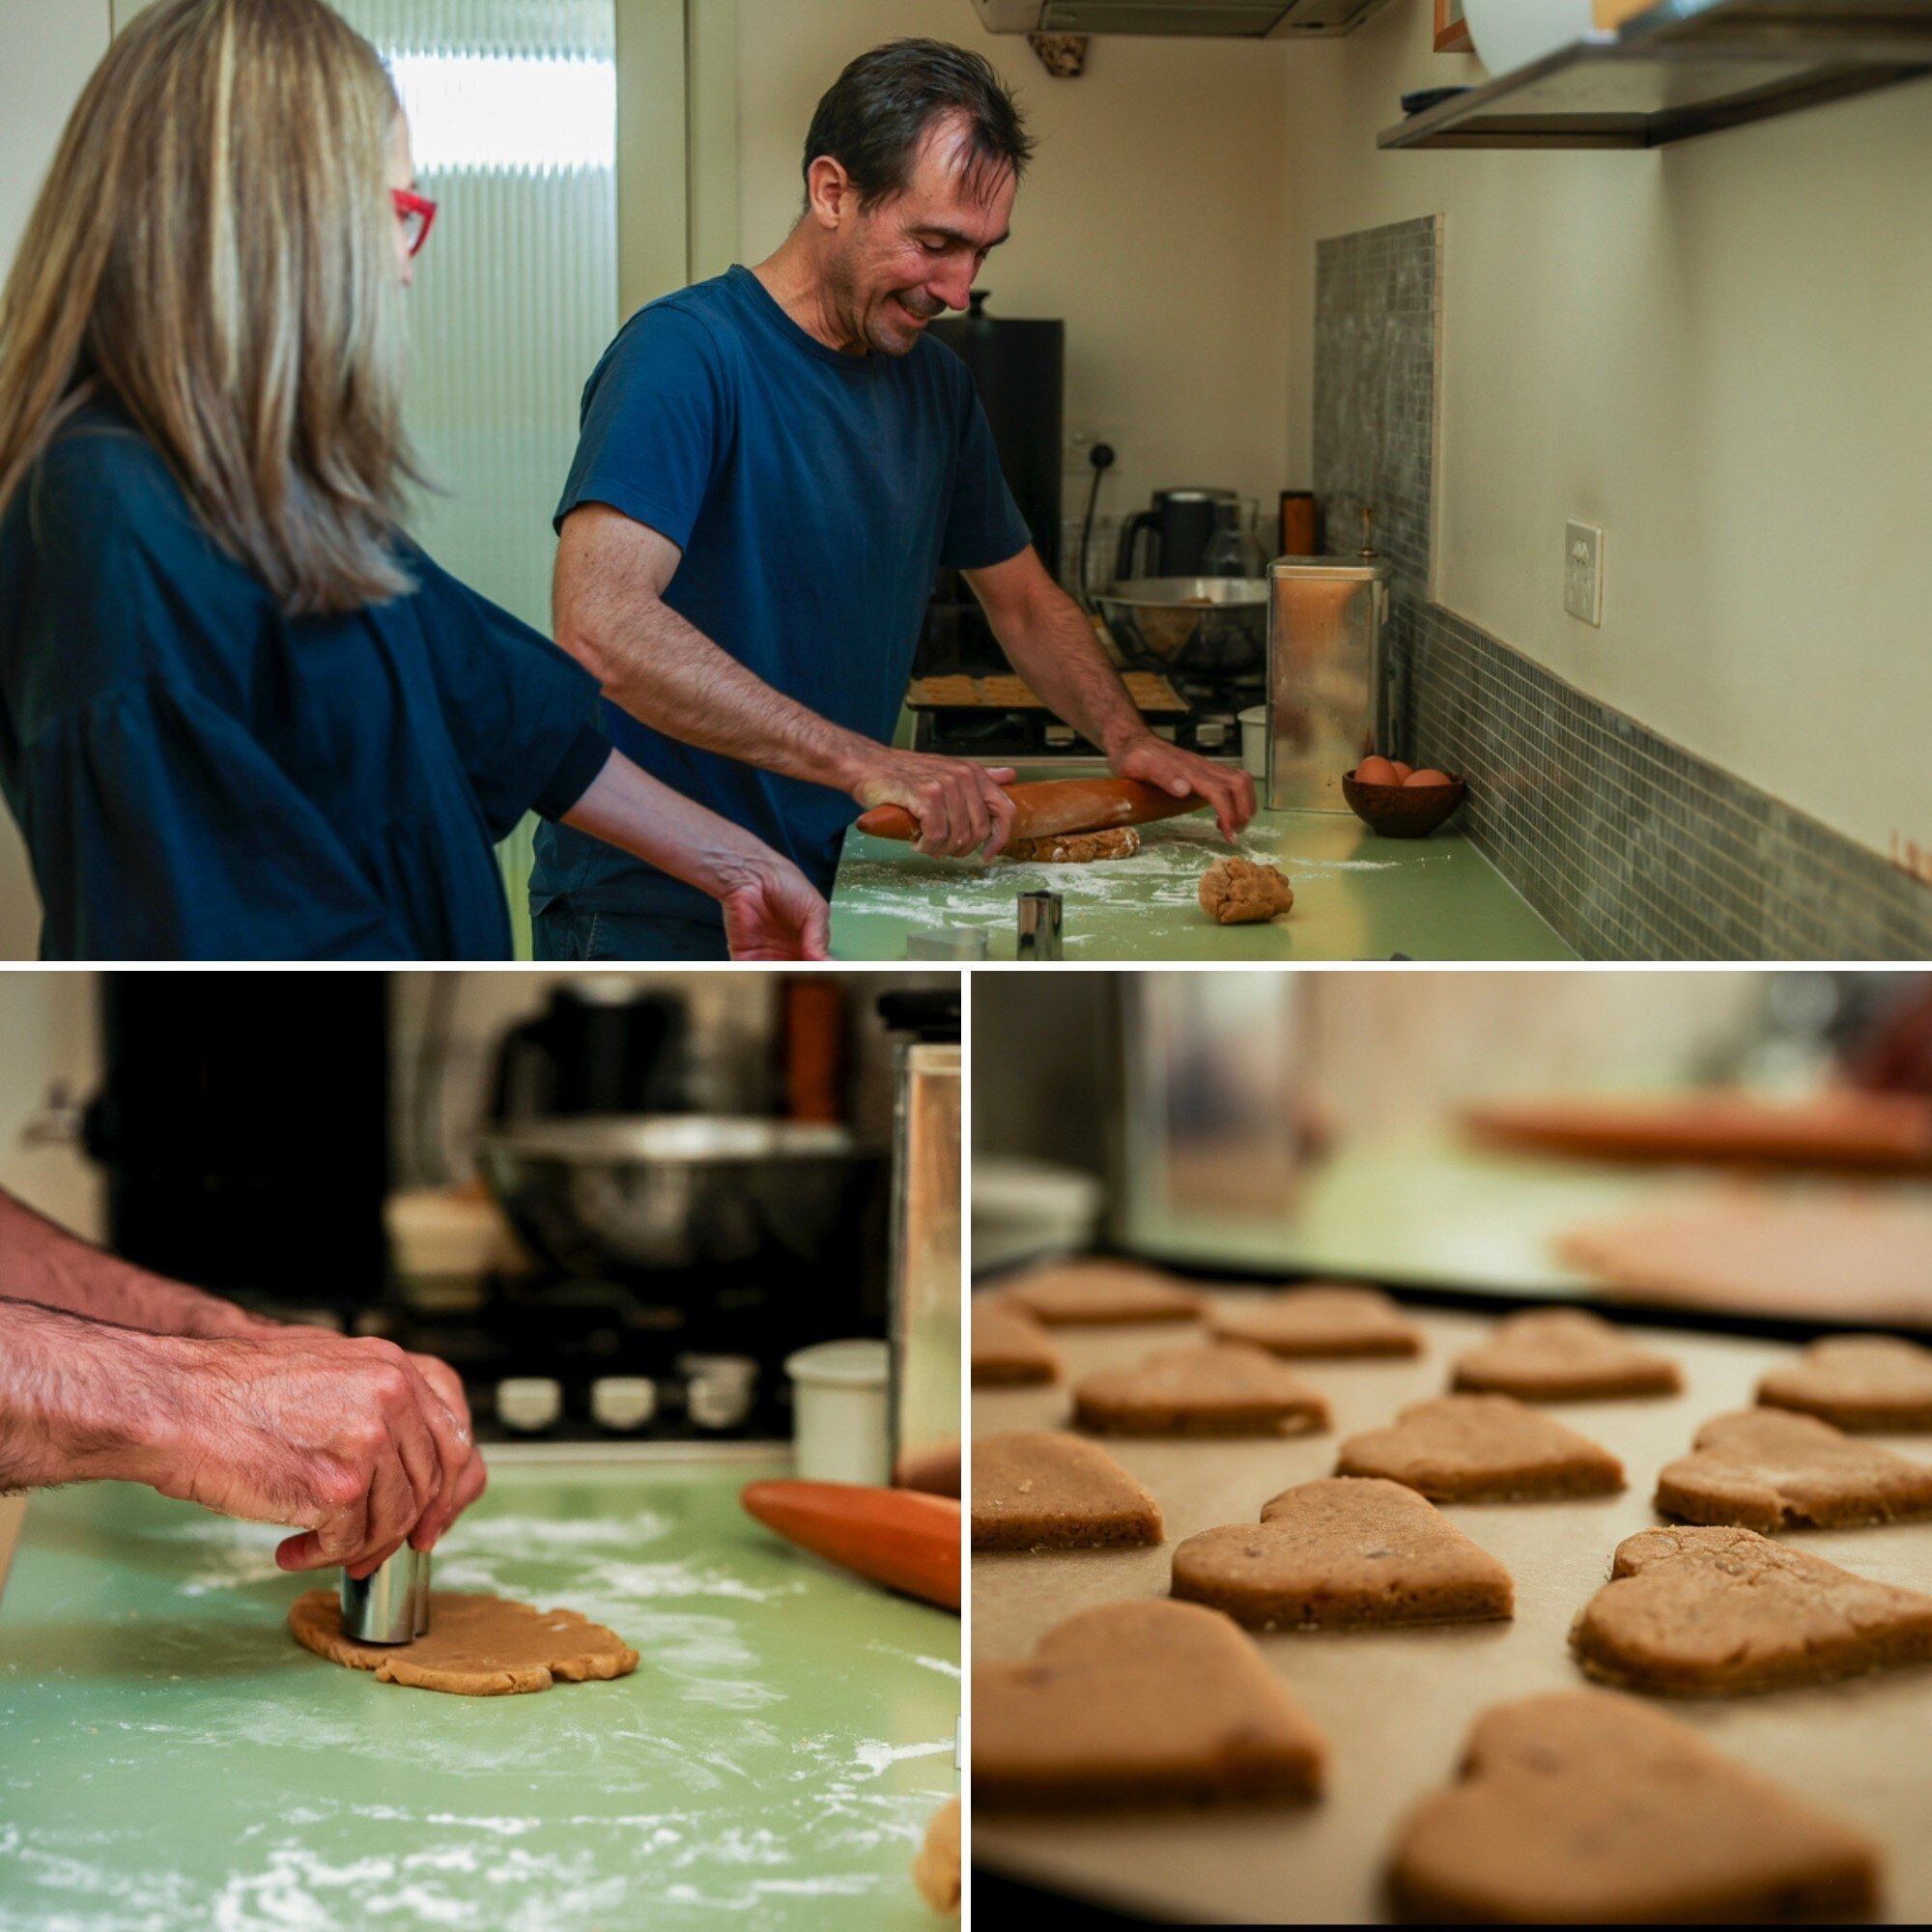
[(766, 308)]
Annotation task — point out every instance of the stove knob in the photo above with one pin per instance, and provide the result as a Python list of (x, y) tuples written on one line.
[(529, 1404), (623, 1403), (719, 1389)]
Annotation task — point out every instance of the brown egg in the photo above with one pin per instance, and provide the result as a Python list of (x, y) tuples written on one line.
[(1416, 779), (1401, 770), (1374, 771)]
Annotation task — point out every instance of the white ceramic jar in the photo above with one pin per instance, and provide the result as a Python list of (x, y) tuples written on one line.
[(840, 1432)]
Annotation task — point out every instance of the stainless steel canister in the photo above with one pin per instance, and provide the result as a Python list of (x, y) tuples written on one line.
[(1329, 702)]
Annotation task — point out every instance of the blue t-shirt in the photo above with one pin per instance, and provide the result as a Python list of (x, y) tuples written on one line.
[(815, 496), (199, 776)]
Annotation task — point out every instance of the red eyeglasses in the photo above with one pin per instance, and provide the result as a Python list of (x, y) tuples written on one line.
[(416, 214)]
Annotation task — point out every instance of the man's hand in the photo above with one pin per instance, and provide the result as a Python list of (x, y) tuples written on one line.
[(777, 915), (1227, 788), (347, 1439), (472, 1478), (961, 808)]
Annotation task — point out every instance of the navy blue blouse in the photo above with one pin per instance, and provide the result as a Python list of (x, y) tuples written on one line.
[(199, 776)]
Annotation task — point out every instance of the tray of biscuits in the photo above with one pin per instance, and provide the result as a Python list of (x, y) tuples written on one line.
[(1300, 1604), (1152, 695)]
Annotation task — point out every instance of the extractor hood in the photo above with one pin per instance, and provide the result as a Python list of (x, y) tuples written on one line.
[(1221, 20)]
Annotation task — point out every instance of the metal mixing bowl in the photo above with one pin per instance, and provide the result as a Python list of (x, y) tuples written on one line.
[(1216, 624), (617, 1198)]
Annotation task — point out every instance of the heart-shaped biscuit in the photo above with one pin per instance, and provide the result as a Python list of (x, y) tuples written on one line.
[(1318, 1321), (1140, 1703), (1710, 1612), (1223, 1388), (1096, 1290), (1563, 1354), (1344, 1550), (1586, 1807), (1482, 1448), (1856, 1383), (1009, 1347), (1036, 1488), (1764, 1468)]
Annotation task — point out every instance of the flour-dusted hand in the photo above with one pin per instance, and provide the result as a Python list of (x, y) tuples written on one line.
[(961, 808), (471, 1478), (1226, 788), (345, 1438)]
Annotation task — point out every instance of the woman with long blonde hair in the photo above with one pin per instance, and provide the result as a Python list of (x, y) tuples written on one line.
[(242, 716)]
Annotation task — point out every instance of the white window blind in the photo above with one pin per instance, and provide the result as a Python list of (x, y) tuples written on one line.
[(513, 114)]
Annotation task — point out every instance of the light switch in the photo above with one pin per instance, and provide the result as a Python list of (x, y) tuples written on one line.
[(1583, 572)]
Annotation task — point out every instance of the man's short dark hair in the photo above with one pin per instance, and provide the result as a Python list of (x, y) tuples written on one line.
[(877, 113)]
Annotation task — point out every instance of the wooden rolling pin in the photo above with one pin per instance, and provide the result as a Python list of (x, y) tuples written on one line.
[(897, 1537), (1053, 806)]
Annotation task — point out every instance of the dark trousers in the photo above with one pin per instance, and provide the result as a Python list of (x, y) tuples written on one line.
[(565, 934)]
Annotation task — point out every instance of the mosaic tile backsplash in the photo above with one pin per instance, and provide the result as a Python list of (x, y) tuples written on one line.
[(1630, 846)]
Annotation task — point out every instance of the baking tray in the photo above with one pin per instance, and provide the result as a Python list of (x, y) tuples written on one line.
[(1397, 1705), (1152, 695)]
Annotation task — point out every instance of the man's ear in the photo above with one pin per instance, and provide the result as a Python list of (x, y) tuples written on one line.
[(830, 198)]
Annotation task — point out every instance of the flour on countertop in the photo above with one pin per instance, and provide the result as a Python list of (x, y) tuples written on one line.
[(766, 1823), (1164, 875)]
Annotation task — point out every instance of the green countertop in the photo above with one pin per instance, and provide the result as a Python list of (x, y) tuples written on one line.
[(1356, 897), (1429, 1212), (1432, 1212), (173, 1759)]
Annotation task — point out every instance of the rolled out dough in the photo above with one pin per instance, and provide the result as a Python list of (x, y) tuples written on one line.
[(936, 1869), (476, 1646), (1077, 848)]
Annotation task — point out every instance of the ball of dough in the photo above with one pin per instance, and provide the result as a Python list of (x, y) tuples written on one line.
[(1237, 891), (936, 1869)]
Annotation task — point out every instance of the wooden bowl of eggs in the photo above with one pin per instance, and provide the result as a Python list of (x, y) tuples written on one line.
[(1398, 802)]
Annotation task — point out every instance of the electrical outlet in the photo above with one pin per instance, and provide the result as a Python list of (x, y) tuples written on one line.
[(1583, 572)]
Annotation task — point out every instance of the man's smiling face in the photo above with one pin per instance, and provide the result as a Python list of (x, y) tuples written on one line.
[(913, 256)]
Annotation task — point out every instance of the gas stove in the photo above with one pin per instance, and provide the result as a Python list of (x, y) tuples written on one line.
[(996, 719)]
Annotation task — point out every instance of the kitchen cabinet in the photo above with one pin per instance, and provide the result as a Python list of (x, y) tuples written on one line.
[(1681, 67)]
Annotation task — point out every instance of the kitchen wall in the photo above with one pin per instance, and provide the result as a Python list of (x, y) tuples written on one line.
[(1392, 1056), (49, 1034), (1152, 222), (734, 1020), (47, 49), (1718, 353)]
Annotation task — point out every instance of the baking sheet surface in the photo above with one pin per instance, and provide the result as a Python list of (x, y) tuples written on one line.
[(1397, 1705)]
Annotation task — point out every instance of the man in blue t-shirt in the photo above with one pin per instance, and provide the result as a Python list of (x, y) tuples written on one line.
[(773, 467)]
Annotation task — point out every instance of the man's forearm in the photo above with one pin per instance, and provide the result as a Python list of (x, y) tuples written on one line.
[(84, 1401), (42, 1262), (667, 672), (1050, 644)]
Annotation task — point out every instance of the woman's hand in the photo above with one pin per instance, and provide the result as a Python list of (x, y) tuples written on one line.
[(777, 915), (771, 910)]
